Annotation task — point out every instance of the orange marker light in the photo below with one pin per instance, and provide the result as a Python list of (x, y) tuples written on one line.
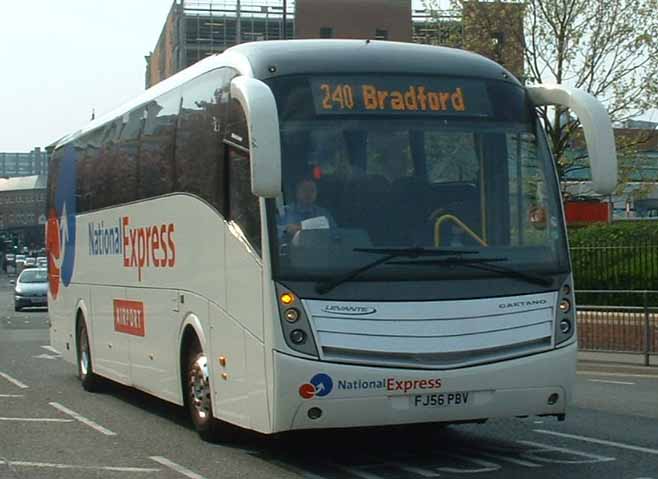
[(287, 298)]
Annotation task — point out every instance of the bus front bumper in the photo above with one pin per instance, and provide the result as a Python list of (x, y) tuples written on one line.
[(360, 396)]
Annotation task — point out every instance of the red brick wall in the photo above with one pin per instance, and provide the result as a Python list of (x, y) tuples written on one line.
[(162, 63), (351, 19)]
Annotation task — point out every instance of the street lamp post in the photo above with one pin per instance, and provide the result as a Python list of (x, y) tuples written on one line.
[(238, 29), (285, 26)]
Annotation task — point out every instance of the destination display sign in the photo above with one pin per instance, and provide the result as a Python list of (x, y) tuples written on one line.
[(400, 95)]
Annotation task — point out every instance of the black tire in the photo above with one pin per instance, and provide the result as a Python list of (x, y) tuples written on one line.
[(90, 381), (18, 309), (198, 399)]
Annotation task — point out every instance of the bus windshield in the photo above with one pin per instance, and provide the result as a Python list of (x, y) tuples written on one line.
[(401, 162)]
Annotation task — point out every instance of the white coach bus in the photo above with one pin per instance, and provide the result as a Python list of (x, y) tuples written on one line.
[(319, 234)]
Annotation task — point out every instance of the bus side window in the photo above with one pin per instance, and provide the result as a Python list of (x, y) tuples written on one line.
[(157, 167), (199, 150), (244, 206)]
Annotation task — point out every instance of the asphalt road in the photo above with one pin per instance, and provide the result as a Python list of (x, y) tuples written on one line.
[(51, 428)]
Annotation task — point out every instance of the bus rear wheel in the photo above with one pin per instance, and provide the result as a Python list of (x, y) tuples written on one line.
[(199, 402), (90, 381)]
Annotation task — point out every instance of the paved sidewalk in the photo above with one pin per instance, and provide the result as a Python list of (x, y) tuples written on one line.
[(617, 362)]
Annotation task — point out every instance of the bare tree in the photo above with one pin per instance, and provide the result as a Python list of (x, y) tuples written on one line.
[(607, 48)]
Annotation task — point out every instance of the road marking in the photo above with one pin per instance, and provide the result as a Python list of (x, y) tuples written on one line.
[(51, 349), (14, 381), (71, 466), (590, 458), (176, 467), (47, 356), (355, 471), (416, 470), (34, 419), (505, 458), (11, 395), (606, 381), (82, 419), (619, 375), (599, 441), (302, 472), (485, 466)]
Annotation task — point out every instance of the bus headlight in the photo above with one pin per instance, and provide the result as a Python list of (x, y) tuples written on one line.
[(295, 324), (298, 336), (291, 315), (565, 313)]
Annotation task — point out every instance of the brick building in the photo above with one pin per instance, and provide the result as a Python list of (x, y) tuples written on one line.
[(23, 208), (366, 19)]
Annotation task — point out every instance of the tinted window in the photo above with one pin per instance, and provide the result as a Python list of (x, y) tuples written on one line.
[(200, 160), (447, 166), (244, 207), (101, 184), (53, 176), (157, 160), (86, 171), (123, 167)]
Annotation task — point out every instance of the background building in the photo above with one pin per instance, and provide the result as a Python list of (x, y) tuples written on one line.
[(24, 164), (195, 29), (637, 194), (23, 209), (365, 19)]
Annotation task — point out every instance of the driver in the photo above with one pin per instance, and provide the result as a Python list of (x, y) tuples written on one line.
[(303, 208)]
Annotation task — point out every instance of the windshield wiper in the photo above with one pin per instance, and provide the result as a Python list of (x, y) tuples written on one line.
[(483, 264), (416, 252), (389, 254)]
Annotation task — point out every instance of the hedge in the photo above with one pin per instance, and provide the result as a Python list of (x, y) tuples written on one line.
[(618, 256)]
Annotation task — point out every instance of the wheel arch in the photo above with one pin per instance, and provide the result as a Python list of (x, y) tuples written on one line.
[(81, 315), (191, 332)]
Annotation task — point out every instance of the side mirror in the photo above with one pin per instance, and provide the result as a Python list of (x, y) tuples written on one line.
[(596, 126), (260, 110)]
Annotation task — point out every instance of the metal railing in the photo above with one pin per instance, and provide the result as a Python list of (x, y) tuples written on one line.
[(621, 267), (619, 329)]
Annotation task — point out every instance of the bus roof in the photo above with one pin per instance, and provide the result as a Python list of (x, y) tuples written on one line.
[(365, 56), (268, 59)]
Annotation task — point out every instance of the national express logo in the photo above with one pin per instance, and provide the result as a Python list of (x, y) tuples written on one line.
[(60, 230), (320, 385)]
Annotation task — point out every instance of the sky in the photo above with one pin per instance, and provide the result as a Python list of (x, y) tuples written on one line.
[(61, 59)]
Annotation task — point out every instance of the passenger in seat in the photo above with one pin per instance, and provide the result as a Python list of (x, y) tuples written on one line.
[(304, 208)]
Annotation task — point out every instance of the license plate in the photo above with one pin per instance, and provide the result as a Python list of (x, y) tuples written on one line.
[(440, 400)]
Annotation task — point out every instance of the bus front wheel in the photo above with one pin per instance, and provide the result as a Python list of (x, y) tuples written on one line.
[(199, 401), (90, 381)]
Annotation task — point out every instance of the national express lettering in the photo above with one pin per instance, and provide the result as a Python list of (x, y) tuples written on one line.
[(140, 246), (434, 96)]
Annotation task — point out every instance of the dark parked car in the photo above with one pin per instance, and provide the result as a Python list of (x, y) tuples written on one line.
[(31, 289)]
